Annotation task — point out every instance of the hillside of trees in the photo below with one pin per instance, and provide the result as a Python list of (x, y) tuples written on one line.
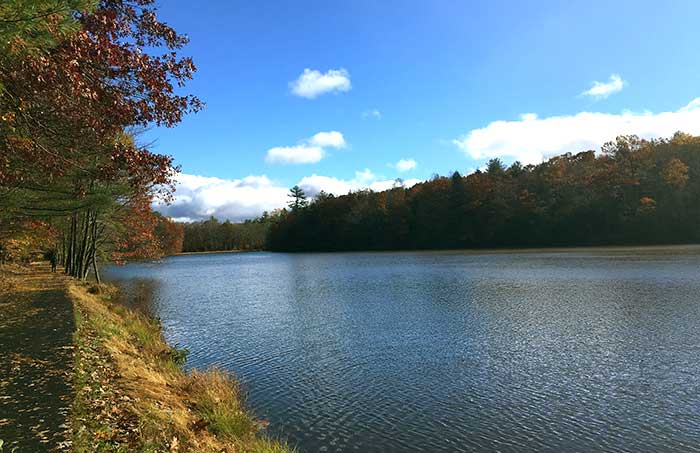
[(633, 192), (78, 80)]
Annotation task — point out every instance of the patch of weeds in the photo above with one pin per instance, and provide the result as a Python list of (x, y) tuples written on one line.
[(270, 446), (132, 395), (218, 400), (178, 356), (146, 332)]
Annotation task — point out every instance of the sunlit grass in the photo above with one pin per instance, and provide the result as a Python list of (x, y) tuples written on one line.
[(134, 395)]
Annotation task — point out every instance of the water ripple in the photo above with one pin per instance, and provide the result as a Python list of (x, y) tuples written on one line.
[(590, 350)]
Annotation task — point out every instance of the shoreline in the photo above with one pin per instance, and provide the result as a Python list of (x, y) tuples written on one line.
[(497, 250), (218, 252), (127, 390), (475, 251)]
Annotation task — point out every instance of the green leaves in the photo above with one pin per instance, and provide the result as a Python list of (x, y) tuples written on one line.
[(75, 77), (28, 27), (633, 192), (298, 197)]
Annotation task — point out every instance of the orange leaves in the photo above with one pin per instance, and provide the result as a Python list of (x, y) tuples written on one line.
[(145, 234), (647, 206), (170, 236), (675, 173), (8, 117), (26, 240), (19, 143)]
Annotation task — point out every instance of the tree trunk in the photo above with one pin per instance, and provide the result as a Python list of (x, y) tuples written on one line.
[(94, 269)]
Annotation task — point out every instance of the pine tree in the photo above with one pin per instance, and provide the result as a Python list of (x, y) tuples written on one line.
[(30, 26), (299, 200)]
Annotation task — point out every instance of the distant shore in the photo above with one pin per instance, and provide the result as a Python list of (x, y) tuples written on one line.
[(212, 252), (535, 249), (496, 250)]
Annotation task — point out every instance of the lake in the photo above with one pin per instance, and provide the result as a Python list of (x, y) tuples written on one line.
[(576, 350)]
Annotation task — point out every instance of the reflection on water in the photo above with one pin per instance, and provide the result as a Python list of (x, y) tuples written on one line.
[(584, 350), (139, 293)]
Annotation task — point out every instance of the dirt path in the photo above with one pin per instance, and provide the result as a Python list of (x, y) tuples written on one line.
[(36, 356)]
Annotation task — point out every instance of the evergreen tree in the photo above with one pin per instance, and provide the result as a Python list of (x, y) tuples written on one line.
[(298, 197), (633, 192), (31, 26)]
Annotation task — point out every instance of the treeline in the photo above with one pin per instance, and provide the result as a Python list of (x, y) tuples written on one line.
[(213, 235), (78, 79), (633, 192)]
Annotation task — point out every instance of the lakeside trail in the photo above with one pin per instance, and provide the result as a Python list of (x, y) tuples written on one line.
[(36, 359), (81, 372)]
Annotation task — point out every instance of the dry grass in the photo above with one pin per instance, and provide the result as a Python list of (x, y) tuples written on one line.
[(133, 396)]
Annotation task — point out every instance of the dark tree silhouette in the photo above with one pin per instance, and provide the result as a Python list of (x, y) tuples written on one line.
[(298, 197), (633, 192)]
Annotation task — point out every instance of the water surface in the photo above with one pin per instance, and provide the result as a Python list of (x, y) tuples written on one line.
[(578, 350)]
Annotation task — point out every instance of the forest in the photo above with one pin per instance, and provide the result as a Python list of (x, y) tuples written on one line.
[(213, 235), (79, 81), (633, 191)]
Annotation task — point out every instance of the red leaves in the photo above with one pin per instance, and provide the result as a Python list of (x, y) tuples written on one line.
[(137, 239), (92, 86), (64, 113), (170, 236)]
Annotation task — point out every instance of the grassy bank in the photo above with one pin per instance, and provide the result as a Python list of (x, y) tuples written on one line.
[(131, 394)]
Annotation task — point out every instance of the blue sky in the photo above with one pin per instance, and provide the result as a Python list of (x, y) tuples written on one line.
[(445, 84)]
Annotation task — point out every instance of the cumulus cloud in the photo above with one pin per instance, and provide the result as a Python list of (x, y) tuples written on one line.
[(376, 114), (532, 139), (301, 154), (364, 179), (308, 151), (332, 139), (312, 83), (199, 197), (601, 90), (405, 165)]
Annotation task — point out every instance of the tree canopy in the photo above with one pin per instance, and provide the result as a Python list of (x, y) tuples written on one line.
[(79, 81), (633, 192), (214, 235)]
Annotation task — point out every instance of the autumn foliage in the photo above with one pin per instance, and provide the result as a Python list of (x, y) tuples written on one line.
[(631, 192), (26, 240), (77, 80)]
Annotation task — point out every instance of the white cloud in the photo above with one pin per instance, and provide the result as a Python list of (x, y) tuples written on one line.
[(532, 139), (301, 154), (601, 90), (364, 179), (313, 184), (405, 165), (372, 114), (309, 151), (198, 197), (365, 176), (312, 83), (332, 139)]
